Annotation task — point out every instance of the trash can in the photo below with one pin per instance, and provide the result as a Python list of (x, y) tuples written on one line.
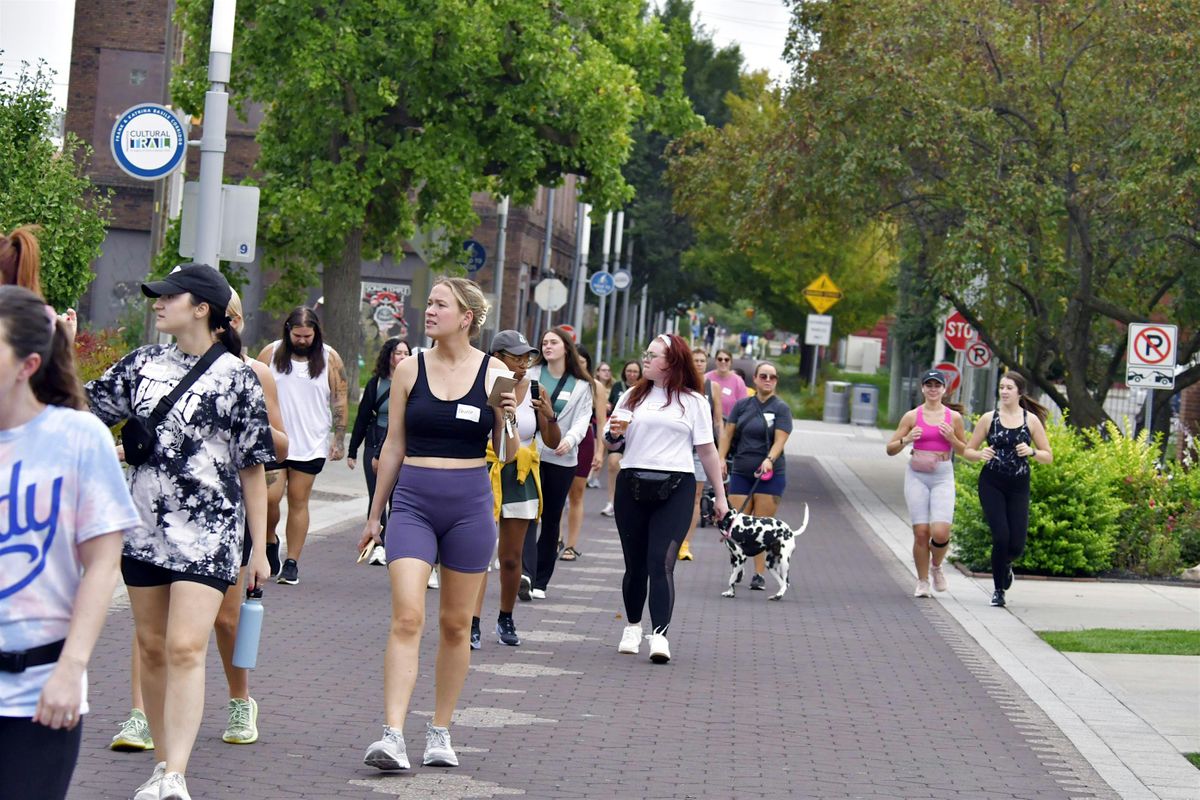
[(837, 402), (864, 404)]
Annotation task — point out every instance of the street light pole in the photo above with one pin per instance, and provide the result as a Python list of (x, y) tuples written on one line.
[(212, 143)]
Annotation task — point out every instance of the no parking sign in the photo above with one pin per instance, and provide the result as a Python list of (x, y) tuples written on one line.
[(1150, 355)]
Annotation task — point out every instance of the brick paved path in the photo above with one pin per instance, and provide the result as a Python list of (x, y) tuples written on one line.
[(847, 688)]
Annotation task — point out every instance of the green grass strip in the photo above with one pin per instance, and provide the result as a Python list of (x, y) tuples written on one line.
[(1135, 642), (1194, 758)]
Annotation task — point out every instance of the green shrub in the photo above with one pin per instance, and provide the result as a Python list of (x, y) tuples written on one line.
[(1072, 513), (1105, 503), (96, 351)]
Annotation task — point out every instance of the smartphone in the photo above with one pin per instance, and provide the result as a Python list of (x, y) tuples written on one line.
[(534, 389)]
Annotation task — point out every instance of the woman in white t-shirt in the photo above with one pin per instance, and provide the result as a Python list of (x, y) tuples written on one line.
[(62, 484), (659, 421)]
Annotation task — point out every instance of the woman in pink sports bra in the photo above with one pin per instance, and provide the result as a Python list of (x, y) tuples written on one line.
[(934, 431)]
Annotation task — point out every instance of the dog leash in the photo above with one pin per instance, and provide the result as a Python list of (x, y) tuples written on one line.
[(750, 496)]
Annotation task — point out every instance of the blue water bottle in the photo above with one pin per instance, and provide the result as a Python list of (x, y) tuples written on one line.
[(245, 647)]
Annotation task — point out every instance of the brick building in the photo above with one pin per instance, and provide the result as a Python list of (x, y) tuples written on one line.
[(119, 57)]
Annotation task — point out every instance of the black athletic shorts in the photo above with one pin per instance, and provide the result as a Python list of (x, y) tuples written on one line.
[(143, 574), (313, 467)]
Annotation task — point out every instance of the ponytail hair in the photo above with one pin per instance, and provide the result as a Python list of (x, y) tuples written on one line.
[(219, 324), (21, 258), (1026, 402), (30, 326)]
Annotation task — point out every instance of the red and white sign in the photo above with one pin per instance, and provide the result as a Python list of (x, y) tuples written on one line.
[(958, 331), (978, 354), (953, 376), (1152, 345)]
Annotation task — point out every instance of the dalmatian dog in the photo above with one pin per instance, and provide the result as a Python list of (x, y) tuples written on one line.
[(747, 536)]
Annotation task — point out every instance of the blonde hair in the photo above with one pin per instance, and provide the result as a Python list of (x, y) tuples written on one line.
[(234, 309), (469, 297)]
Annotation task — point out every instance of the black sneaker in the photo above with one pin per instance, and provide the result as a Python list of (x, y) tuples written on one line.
[(506, 632), (526, 589), (476, 636), (273, 557), (758, 583), (998, 599), (289, 573), (1008, 579)]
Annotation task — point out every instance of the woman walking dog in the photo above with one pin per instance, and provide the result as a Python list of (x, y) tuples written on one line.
[(935, 432), (659, 421)]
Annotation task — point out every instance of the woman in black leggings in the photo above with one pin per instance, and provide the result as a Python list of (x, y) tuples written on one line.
[(659, 421), (1014, 438)]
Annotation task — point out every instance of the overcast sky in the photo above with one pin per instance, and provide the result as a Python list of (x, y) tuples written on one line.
[(33, 29)]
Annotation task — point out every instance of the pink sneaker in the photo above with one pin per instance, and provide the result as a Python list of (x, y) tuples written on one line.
[(938, 576), (922, 589)]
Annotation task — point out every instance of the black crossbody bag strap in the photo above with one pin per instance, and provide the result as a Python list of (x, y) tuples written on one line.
[(199, 368)]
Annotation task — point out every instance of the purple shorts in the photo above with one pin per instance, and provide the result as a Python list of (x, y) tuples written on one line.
[(445, 515)]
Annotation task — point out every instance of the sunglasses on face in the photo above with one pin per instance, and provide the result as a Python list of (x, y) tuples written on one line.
[(762, 376), (722, 358)]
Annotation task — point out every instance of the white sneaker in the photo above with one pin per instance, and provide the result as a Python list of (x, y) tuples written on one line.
[(378, 556), (938, 576), (173, 787), (537, 594), (607, 511), (660, 651), (922, 589), (433, 579), (149, 789), (438, 752), (631, 639), (388, 754)]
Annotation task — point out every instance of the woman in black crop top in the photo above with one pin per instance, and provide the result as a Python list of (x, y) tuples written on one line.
[(1014, 438), (434, 455)]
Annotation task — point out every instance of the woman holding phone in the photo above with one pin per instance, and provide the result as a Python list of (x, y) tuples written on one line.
[(516, 485)]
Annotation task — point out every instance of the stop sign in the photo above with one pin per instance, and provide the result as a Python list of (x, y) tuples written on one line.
[(958, 331), (953, 376)]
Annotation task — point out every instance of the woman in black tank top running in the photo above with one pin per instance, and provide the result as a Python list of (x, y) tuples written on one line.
[(1014, 438), (434, 455)]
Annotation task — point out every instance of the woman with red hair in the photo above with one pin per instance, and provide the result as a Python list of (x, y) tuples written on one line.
[(659, 420)]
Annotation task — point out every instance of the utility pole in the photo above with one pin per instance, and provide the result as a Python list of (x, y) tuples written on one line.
[(624, 328), (544, 272), (599, 354), (212, 143), (498, 267), (619, 232), (581, 278)]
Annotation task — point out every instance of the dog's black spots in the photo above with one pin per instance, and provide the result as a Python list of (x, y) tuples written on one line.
[(748, 536)]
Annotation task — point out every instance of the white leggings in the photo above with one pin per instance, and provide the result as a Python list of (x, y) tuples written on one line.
[(930, 495)]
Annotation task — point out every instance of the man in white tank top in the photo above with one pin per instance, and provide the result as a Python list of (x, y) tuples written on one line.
[(311, 380)]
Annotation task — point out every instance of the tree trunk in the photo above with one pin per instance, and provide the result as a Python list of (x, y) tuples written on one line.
[(342, 283)]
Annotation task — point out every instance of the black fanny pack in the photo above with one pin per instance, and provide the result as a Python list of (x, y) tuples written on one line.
[(21, 660), (649, 485), (138, 435)]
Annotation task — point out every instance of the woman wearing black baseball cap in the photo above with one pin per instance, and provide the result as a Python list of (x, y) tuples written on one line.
[(201, 480), (935, 432)]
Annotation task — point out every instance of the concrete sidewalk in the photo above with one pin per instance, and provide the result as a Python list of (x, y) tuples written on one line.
[(1130, 716)]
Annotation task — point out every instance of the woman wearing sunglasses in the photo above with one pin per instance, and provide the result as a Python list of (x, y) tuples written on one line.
[(756, 431), (659, 421), (728, 383)]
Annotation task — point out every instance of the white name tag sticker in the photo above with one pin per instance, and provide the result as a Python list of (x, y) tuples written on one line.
[(770, 417), (726, 390), (469, 413)]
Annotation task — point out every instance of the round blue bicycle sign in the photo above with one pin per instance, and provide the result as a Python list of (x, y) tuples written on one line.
[(148, 142)]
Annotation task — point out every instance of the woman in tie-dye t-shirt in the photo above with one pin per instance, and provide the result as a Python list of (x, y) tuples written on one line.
[(63, 506)]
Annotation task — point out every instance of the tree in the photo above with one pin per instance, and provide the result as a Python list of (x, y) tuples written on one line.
[(719, 175), (382, 116), (39, 184), (660, 235), (1040, 157)]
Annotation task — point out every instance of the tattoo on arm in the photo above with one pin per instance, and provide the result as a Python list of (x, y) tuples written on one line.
[(340, 406)]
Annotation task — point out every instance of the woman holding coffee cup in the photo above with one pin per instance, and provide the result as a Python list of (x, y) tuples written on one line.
[(659, 421)]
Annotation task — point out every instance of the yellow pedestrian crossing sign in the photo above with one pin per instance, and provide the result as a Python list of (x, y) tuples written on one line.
[(822, 293)]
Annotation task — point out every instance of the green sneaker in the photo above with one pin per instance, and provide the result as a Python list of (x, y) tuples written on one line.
[(134, 735), (243, 722)]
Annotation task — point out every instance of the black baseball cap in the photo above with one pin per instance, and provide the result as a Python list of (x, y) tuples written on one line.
[(933, 375), (202, 281), (513, 342)]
